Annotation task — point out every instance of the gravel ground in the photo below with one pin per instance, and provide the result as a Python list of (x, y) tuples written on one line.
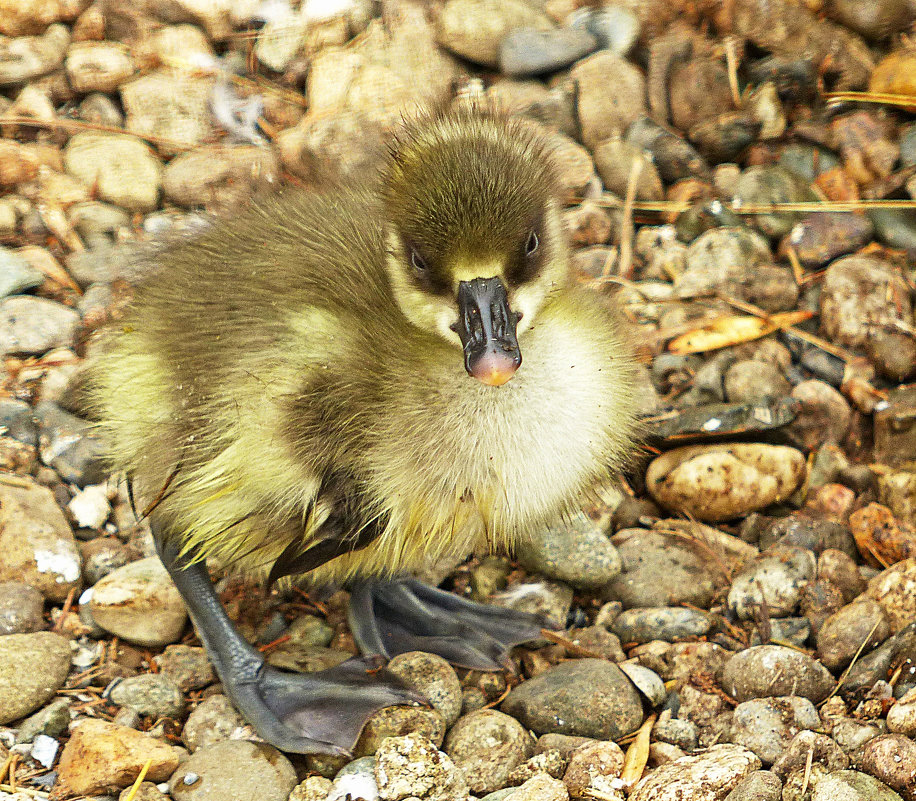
[(735, 620)]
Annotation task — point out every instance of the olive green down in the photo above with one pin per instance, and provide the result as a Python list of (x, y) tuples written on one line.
[(300, 361)]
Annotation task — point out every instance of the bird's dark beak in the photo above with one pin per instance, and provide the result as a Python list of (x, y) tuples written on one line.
[(486, 326)]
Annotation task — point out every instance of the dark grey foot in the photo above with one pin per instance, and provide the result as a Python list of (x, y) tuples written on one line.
[(306, 713), (393, 617)]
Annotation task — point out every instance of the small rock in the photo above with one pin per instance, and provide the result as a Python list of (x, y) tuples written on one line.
[(773, 184), (550, 599), (810, 747), (487, 746), (33, 667), (820, 238), (23, 58), (594, 770), (761, 785), (16, 274), (901, 718), (119, 166), (551, 763), (775, 578), (768, 725), (433, 677), (682, 733), (139, 603), (529, 51), (660, 623), (188, 667), (599, 641), (616, 27), (765, 671), (50, 721), (891, 758), (314, 788), (70, 445), (214, 720), (616, 159), (97, 66), (236, 769), (102, 757), (147, 791), (474, 29), (610, 95), (396, 721), (354, 780), (751, 380), (721, 482), (33, 325), (578, 553), (842, 572), (90, 507), (798, 530), (587, 697), (21, 608), (709, 775), (823, 417), (100, 556), (219, 178), (149, 694), (539, 788), (791, 630), (859, 625), (411, 767), (851, 785), (36, 541), (895, 590)]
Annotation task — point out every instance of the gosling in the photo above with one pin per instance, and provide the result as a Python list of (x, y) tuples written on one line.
[(351, 384)]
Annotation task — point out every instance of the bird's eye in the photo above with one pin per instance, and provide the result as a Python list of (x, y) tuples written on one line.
[(417, 262), (532, 244)]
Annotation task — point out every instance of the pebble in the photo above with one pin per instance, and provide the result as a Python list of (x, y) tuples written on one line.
[(33, 667), (140, 604), (901, 718), (434, 678), (862, 300), (102, 757), (895, 590), (100, 556), (101, 109), (525, 52), (31, 325), (187, 666), (768, 725), (212, 721), (395, 721), (764, 671), (93, 219), (761, 785), (676, 731), (610, 96), (21, 608), (710, 775), (578, 553), (538, 788), (487, 746), (551, 762), (660, 623), (49, 721), (314, 788), (809, 745), (356, 779), (773, 184), (798, 530), (121, 167), (16, 274), (219, 178), (861, 624), (842, 572), (751, 380), (89, 507), (168, 106), (776, 578), (821, 238), (36, 541), (411, 767), (722, 482), (23, 58), (891, 758), (550, 599), (594, 771), (616, 159), (616, 27), (474, 29), (852, 785), (823, 417), (97, 66), (586, 697), (894, 227), (149, 694), (236, 769), (70, 445)]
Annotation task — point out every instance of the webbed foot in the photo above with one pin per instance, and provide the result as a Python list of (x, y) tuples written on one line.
[(393, 617)]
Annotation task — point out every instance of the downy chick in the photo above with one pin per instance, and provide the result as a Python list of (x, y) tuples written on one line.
[(353, 383)]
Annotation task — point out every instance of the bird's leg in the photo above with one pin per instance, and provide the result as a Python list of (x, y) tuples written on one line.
[(320, 712), (396, 616)]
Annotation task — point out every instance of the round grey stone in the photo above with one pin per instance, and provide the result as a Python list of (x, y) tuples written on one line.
[(852, 785), (586, 697), (32, 668), (433, 677), (151, 694), (765, 671), (768, 725), (528, 51), (21, 608), (660, 623)]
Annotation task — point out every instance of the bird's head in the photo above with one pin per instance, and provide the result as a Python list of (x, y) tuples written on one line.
[(474, 235)]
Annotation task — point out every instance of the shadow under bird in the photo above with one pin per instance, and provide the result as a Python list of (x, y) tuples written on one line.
[(349, 384)]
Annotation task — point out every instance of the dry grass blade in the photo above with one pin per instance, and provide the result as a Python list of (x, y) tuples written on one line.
[(627, 232), (884, 98), (136, 785), (805, 207), (637, 756), (571, 647)]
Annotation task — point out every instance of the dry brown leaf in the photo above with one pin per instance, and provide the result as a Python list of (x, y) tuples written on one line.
[(634, 763), (726, 331)]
